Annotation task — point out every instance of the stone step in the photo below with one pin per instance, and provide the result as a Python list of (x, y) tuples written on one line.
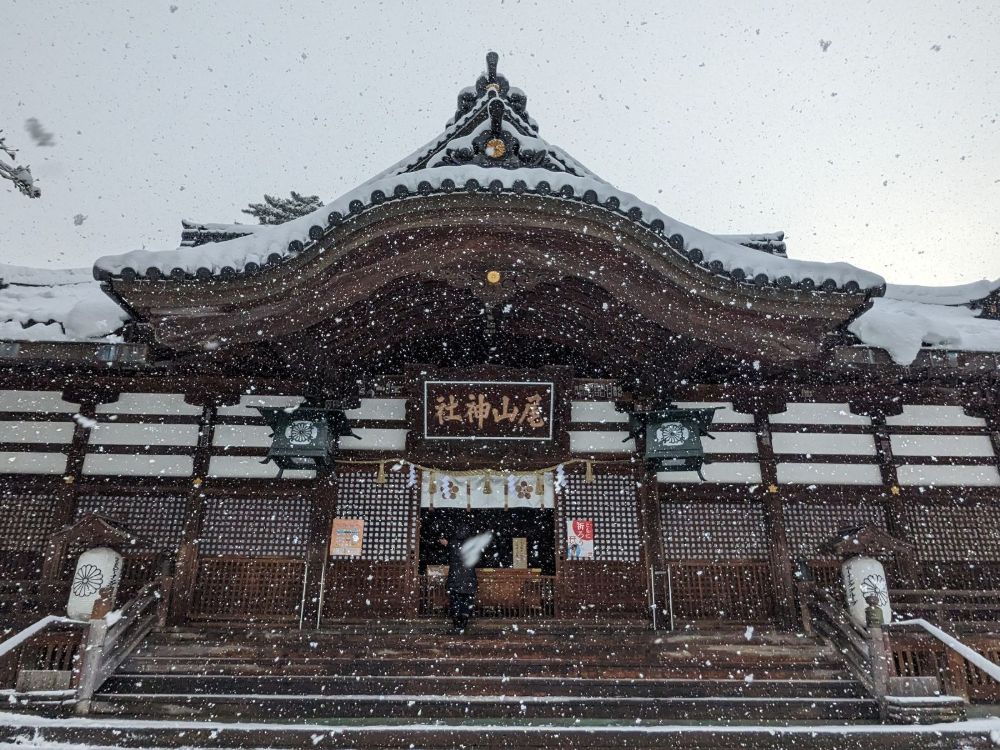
[(463, 685), (493, 707), (409, 666)]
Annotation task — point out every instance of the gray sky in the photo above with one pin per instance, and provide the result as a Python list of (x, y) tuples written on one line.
[(883, 150)]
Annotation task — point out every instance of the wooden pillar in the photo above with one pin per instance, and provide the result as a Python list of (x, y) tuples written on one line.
[(65, 508), (650, 533), (324, 509), (780, 556), (893, 503), (186, 570)]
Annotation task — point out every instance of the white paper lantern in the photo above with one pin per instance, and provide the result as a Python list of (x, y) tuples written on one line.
[(863, 576), (98, 568)]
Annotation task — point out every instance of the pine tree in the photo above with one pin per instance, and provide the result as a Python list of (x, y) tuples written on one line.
[(276, 210)]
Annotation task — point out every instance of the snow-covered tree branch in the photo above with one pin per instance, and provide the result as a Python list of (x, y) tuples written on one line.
[(20, 176), (279, 210)]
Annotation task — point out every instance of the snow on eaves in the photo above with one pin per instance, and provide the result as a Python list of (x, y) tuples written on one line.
[(903, 327), (273, 243), (962, 294), (55, 305)]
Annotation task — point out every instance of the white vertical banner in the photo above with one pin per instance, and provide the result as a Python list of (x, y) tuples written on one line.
[(449, 492), (522, 491)]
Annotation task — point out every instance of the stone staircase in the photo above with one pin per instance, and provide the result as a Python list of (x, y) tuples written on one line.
[(500, 670)]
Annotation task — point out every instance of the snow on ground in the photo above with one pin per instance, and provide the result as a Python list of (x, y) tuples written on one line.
[(982, 727)]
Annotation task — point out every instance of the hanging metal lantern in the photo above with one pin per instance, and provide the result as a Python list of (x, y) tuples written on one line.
[(304, 438), (673, 437)]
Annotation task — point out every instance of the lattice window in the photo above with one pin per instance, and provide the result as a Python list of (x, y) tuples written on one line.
[(952, 532), (610, 501), (157, 519), (269, 527), (713, 531), (387, 510), (810, 525), (26, 522)]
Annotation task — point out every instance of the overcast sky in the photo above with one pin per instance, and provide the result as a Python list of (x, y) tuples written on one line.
[(867, 131)]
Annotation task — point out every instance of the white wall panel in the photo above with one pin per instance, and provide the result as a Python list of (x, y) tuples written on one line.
[(112, 433), (818, 414), (150, 403), (375, 439), (736, 473), (379, 408), (36, 432), (595, 411), (829, 474), (941, 445), (96, 464), (36, 401), (967, 476), (241, 436), (731, 442), (600, 442), (935, 416), (250, 467), (245, 407), (725, 415), (32, 463), (815, 443)]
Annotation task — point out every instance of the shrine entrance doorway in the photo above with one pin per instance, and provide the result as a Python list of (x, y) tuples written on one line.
[(517, 569)]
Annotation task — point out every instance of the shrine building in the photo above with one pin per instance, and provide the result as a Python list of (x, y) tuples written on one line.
[(652, 420)]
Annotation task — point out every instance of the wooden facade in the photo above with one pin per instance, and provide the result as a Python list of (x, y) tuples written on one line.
[(529, 269)]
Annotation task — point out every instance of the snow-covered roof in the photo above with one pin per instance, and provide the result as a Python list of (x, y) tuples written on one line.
[(56, 305), (910, 318), (491, 147)]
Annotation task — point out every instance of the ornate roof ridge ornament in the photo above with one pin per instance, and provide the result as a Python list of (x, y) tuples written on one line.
[(495, 145)]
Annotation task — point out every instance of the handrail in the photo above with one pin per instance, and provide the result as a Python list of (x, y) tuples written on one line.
[(21, 636), (113, 636), (845, 634), (976, 659)]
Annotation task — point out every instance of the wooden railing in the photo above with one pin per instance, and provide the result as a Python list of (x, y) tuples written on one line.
[(732, 591), (51, 644), (914, 669), (113, 635), (943, 606), (826, 616)]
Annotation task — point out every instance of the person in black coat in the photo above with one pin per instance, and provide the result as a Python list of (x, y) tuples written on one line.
[(462, 583)]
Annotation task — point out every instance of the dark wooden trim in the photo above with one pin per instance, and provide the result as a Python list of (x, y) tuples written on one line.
[(324, 510)]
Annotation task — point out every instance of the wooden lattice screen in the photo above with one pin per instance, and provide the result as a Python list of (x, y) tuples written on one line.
[(713, 530), (26, 523), (383, 581), (957, 544), (615, 580), (387, 510), (157, 519), (252, 558), (810, 524), (610, 501), (717, 555)]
